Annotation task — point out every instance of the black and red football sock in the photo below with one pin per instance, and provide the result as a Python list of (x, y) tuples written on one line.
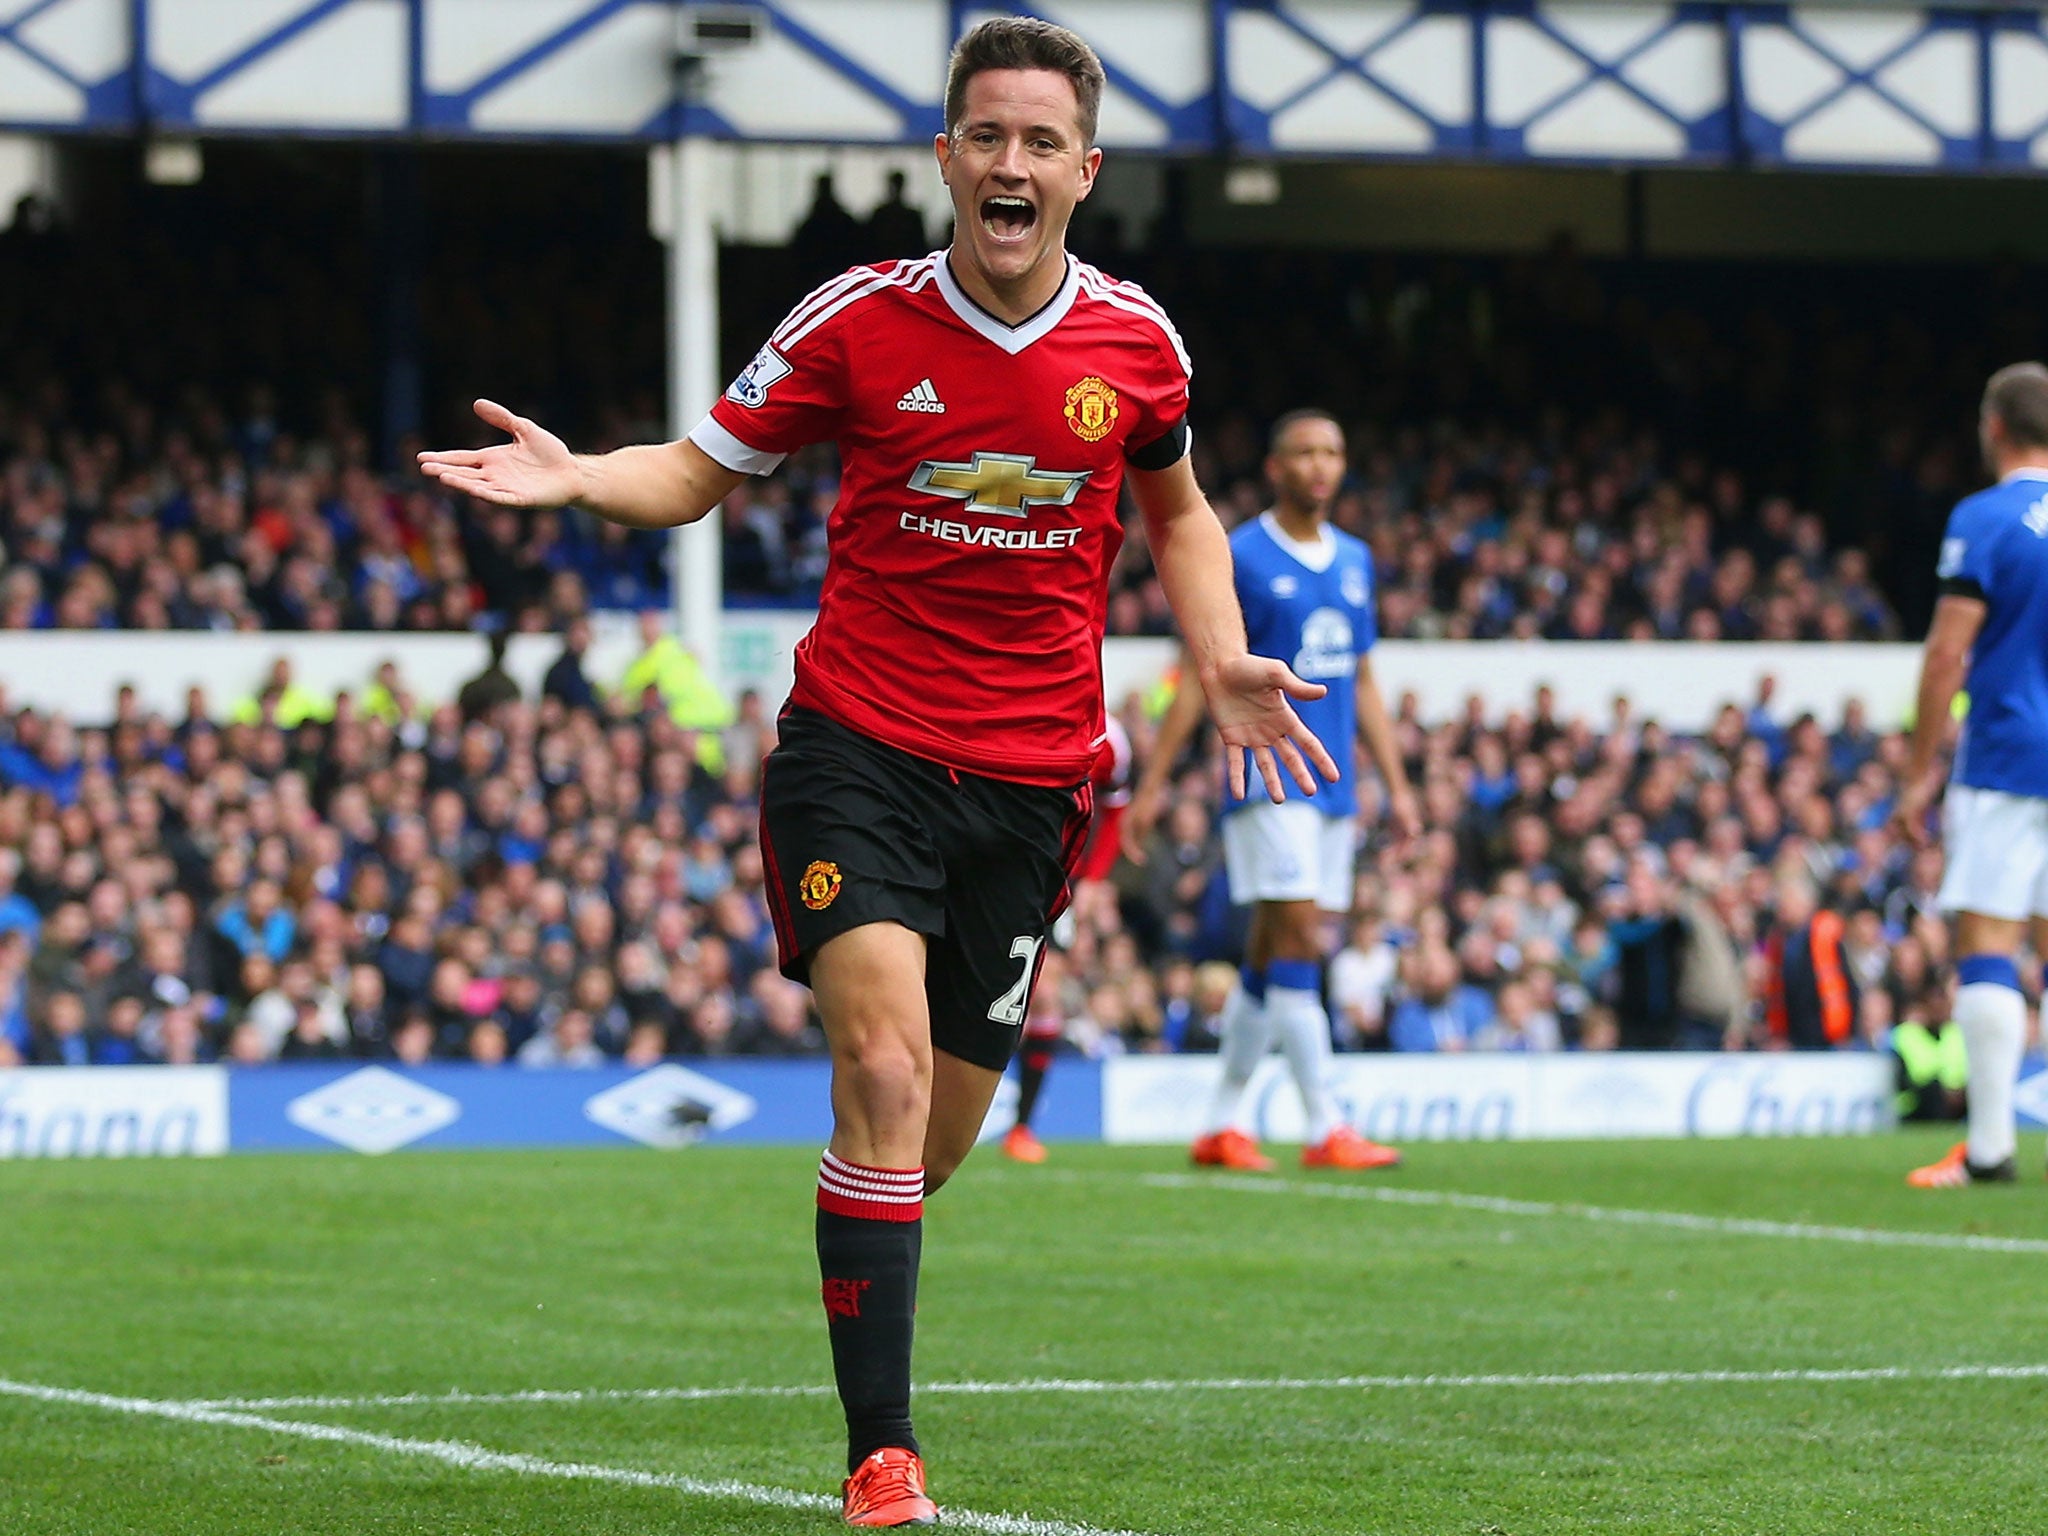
[(870, 1236)]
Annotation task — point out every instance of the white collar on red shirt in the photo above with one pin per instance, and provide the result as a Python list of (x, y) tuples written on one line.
[(1011, 338)]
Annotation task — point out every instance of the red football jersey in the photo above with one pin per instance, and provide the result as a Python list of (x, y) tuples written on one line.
[(966, 583)]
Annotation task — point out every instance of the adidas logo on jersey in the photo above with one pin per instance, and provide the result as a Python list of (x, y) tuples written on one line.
[(922, 397)]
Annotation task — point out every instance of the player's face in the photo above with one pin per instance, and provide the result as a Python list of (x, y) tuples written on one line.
[(1016, 165), (1307, 465)]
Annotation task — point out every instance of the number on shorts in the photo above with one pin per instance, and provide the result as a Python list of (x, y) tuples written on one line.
[(1009, 1008)]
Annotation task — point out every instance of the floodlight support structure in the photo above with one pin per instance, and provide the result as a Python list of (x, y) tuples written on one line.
[(696, 551)]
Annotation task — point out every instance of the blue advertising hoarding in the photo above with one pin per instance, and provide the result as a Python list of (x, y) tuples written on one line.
[(378, 1108), (375, 1108)]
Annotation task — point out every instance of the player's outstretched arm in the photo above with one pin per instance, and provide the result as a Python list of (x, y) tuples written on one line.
[(1247, 694), (655, 485), (1957, 620)]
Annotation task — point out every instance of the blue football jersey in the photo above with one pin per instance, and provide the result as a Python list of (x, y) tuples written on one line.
[(1320, 622), (1996, 548)]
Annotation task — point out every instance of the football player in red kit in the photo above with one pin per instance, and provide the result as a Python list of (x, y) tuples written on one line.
[(930, 788)]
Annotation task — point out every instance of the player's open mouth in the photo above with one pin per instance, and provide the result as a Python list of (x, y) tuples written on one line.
[(1007, 218)]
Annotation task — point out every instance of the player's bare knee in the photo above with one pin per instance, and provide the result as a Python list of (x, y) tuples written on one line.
[(887, 1076)]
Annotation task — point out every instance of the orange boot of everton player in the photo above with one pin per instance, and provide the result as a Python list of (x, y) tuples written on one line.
[(1230, 1149), (1345, 1148), (1954, 1170)]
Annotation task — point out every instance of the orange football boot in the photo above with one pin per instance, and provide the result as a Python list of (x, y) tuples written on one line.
[(1345, 1148), (888, 1489), (1954, 1170), (1022, 1146), (1231, 1149)]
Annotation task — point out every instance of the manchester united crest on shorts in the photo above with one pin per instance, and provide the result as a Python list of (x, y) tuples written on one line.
[(819, 887), (1091, 409)]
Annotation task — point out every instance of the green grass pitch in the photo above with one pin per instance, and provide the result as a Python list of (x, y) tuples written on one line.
[(141, 1288)]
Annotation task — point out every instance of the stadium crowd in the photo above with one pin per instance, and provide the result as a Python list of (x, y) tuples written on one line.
[(228, 523), (575, 878)]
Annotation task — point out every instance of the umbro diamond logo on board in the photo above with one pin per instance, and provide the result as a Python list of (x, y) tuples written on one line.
[(922, 397)]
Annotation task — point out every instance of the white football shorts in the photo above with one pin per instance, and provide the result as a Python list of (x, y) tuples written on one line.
[(1290, 852), (1997, 850)]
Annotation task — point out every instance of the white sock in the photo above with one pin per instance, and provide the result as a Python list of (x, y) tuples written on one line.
[(1304, 1030), (1247, 1032), (1993, 1019)]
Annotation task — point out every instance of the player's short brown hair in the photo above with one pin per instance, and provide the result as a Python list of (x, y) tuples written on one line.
[(1025, 42), (2017, 397)]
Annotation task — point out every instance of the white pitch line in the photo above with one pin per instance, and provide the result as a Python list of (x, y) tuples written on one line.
[(535, 1395), (1088, 1387), (475, 1458), (1734, 1226)]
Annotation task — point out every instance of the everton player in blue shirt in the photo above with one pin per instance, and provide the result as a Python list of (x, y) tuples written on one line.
[(1990, 634), (1306, 590)]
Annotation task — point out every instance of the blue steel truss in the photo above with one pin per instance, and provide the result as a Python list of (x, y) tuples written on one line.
[(1764, 139), (1270, 65), (1252, 128), (2013, 29), (1708, 136)]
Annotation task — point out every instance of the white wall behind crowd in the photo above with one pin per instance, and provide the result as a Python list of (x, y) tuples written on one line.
[(1679, 684)]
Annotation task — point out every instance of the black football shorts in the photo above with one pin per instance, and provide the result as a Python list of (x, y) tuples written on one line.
[(856, 832)]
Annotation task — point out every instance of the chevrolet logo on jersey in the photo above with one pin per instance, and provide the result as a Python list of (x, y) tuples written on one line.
[(1004, 483)]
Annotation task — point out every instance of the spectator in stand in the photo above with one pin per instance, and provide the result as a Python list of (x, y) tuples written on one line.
[(1810, 1001), (493, 686), (43, 758), (1575, 528), (64, 1040), (17, 1038), (394, 868), (1519, 1024), (1648, 938), (258, 923), (17, 913), (666, 669), (1441, 1012), (1713, 989), (1362, 980), (566, 682)]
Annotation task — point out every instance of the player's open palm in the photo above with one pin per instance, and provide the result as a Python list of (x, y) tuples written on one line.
[(1248, 702), (535, 469)]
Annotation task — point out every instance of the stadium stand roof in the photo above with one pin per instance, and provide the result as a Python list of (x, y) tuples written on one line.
[(1934, 87)]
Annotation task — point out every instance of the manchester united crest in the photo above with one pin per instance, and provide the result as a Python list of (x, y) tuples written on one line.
[(819, 887), (1091, 409)]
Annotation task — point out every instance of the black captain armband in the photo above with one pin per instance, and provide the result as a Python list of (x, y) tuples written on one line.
[(1951, 586), (1162, 452)]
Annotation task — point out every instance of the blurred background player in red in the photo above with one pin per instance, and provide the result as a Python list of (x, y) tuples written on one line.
[(1045, 1024)]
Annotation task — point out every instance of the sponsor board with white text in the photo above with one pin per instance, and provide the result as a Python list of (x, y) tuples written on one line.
[(113, 1112), (1516, 1097)]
